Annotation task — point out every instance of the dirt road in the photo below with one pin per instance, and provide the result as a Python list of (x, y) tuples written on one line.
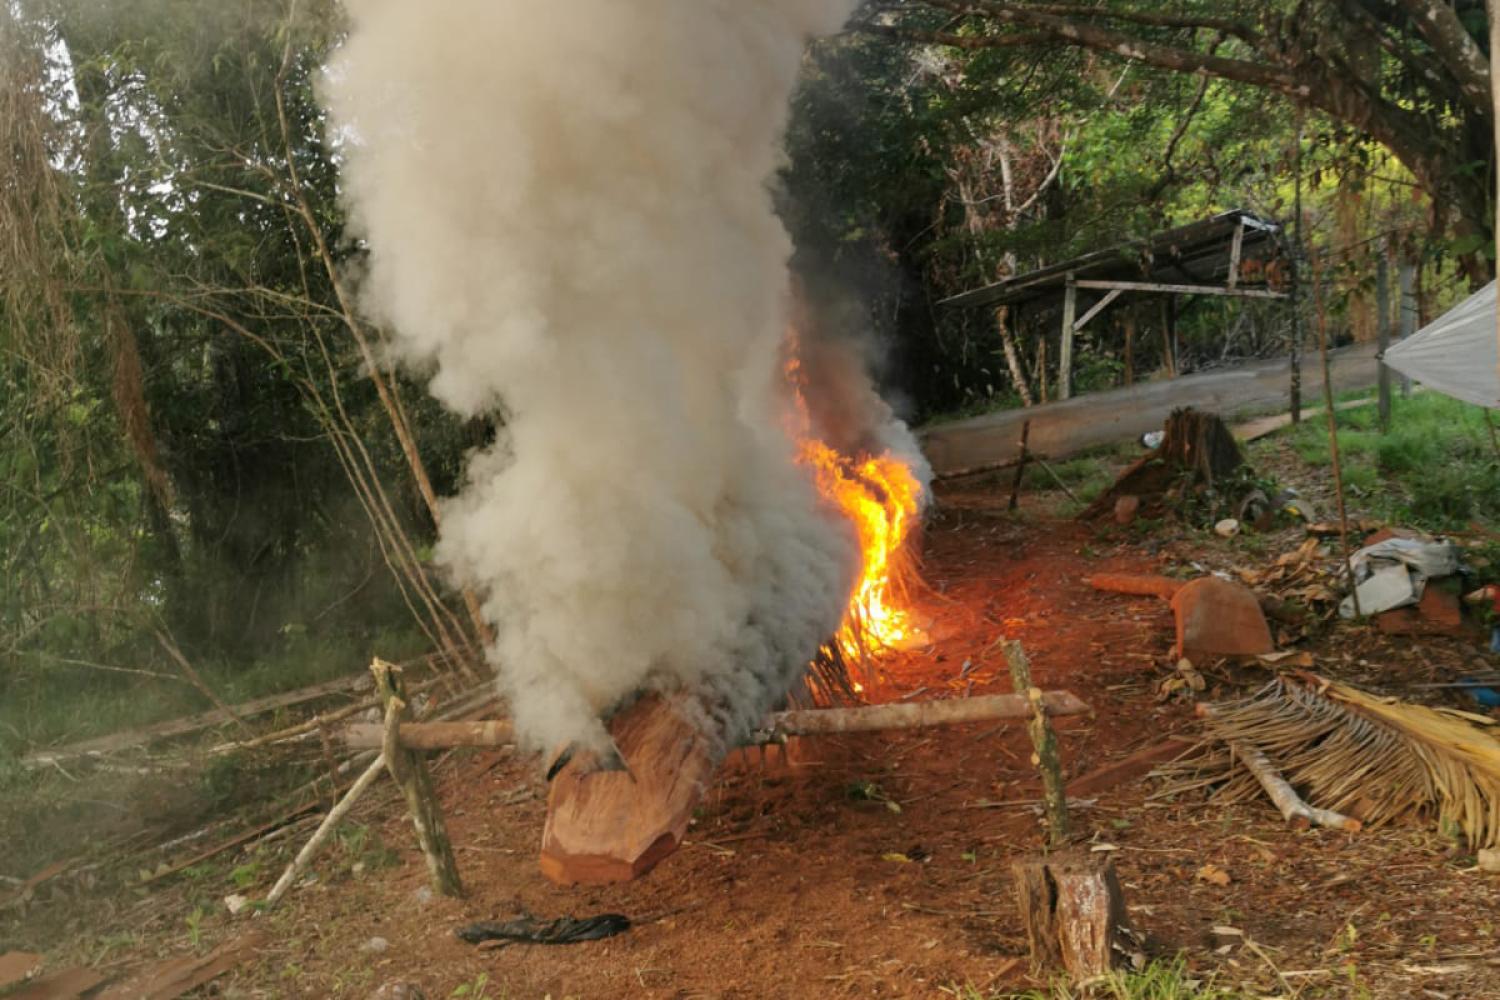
[(1059, 429)]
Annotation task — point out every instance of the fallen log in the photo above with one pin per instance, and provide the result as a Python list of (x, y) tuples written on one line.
[(796, 722), (177, 976)]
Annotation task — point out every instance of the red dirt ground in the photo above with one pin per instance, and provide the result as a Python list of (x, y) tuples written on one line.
[(792, 885), (800, 879)]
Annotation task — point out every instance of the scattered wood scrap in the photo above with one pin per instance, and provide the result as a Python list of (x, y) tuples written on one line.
[(175, 977), (18, 967), (116, 742), (69, 984)]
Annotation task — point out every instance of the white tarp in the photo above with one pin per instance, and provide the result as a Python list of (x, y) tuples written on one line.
[(1458, 354)]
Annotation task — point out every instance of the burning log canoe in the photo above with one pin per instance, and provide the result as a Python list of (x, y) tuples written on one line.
[(612, 824)]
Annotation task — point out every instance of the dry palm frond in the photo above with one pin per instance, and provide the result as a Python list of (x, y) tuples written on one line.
[(1345, 750)]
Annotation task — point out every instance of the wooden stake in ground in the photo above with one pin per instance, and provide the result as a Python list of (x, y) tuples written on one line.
[(1071, 904), (1015, 486), (1333, 436), (320, 836), (410, 772), (1044, 740)]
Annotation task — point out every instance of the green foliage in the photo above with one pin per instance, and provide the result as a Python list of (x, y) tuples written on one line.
[(1159, 980), (1437, 467)]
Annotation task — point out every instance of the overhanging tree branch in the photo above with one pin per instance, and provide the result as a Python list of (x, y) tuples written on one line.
[(1439, 24)]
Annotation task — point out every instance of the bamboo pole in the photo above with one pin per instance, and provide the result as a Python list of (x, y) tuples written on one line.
[(1493, 7)]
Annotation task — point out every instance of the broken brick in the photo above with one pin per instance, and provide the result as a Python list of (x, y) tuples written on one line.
[(1219, 618), (1437, 613)]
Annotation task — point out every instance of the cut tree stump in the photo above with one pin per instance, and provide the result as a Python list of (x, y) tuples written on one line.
[(1196, 450), (1073, 913), (615, 825)]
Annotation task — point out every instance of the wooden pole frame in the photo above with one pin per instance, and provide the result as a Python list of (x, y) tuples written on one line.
[(1065, 357), (778, 726), (410, 772)]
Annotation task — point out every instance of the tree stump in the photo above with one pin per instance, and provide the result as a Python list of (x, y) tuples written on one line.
[(1073, 912), (1197, 450)]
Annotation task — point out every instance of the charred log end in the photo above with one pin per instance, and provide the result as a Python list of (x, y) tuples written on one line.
[(616, 825), (1073, 912)]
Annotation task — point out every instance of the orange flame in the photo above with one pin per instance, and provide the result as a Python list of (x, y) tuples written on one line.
[(880, 496)]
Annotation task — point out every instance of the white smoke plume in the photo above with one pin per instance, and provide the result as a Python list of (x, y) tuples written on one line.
[(567, 211)]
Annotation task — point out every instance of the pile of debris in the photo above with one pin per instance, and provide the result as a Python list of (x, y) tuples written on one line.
[(1195, 470), (1332, 755)]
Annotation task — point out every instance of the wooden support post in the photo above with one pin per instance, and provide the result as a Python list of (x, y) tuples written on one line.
[(1098, 307), (1171, 333), (1073, 912), (1383, 334), (1041, 367), (1065, 358), (1044, 740), (1235, 247), (1130, 347), (1015, 485), (1406, 282), (410, 771)]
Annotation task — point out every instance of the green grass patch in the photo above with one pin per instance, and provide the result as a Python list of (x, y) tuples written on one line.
[(1436, 468), (1159, 980), (57, 701)]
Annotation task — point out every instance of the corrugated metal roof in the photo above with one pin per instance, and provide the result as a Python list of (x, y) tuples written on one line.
[(1195, 254)]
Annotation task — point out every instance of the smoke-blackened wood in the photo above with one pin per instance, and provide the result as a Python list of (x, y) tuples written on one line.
[(1072, 910), (616, 824), (797, 722), (1197, 450), (410, 772)]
